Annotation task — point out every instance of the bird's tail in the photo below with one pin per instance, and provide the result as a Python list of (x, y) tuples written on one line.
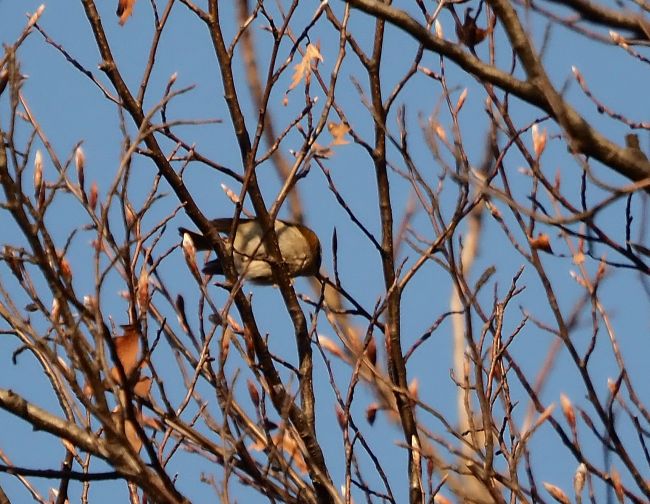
[(213, 267)]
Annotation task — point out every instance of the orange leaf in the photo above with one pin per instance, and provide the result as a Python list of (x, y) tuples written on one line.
[(338, 131), (578, 258), (303, 69), (128, 349), (143, 387), (132, 435), (124, 10), (128, 428), (542, 242), (286, 442), (153, 423)]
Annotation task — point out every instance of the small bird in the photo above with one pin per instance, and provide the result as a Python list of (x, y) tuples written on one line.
[(299, 246)]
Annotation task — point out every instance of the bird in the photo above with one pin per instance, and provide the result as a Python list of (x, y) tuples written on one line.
[(299, 247)]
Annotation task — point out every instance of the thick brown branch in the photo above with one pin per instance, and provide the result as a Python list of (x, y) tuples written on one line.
[(116, 454), (537, 91)]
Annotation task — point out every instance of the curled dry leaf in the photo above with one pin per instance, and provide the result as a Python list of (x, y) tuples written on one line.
[(285, 441), (303, 69), (542, 242), (132, 436), (127, 347), (338, 132), (124, 10), (469, 33), (143, 387)]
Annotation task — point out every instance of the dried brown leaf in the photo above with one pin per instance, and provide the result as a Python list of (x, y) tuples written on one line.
[(132, 436), (285, 441), (338, 132), (303, 69), (542, 242), (124, 10), (127, 347), (143, 387)]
